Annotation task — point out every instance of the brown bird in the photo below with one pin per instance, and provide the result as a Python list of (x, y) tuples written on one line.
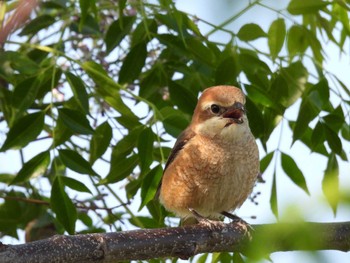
[(215, 161)]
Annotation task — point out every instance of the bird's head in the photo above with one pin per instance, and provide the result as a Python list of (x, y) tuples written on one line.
[(220, 113)]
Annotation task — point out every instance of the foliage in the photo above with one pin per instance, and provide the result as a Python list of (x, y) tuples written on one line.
[(91, 84)]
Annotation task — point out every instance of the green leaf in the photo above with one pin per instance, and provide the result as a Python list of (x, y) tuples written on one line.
[(144, 222), (16, 215), (250, 32), (223, 257), (38, 55), (100, 141), (255, 117), (48, 79), (238, 258), (335, 119), (273, 198), (262, 97), (127, 143), (79, 91), (107, 88), (321, 96), (294, 173), (176, 45), (75, 120), (11, 60), (24, 131), (121, 7), (89, 28), (57, 168), (297, 41), (150, 185), (271, 120), (296, 76), (157, 211), (316, 46), (132, 187), (75, 184), (133, 63), (330, 182), (6, 178), (86, 220), (307, 112), (174, 121), (333, 140), (252, 65), (117, 31), (327, 26), (61, 133), (226, 72), (309, 137), (145, 149), (25, 93), (38, 23), (276, 36), (174, 20), (265, 162), (318, 136), (203, 258), (301, 7), (121, 167), (99, 75), (75, 162), (144, 31), (33, 168), (290, 84), (200, 51), (151, 80), (63, 206), (128, 122), (7, 111), (345, 131), (55, 4), (159, 153), (228, 68), (85, 7), (183, 97)]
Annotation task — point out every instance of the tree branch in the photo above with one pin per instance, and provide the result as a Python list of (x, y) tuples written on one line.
[(181, 242)]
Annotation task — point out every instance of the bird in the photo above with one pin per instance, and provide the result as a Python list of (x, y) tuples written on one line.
[(214, 163)]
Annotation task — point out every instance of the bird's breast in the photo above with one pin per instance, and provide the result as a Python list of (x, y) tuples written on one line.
[(227, 173), (210, 176)]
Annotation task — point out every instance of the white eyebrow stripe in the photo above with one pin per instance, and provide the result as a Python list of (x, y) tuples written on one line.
[(208, 104)]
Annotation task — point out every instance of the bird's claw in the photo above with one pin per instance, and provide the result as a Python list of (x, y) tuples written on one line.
[(203, 220), (238, 221)]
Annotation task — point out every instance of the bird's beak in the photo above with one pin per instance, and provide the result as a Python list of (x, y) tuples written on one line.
[(235, 113)]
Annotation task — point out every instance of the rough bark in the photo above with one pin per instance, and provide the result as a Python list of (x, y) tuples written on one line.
[(181, 242)]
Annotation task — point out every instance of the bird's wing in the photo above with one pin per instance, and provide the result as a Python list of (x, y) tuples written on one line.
[(181, 141)]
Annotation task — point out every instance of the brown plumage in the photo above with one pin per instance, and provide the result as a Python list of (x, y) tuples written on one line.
[(215, 161)]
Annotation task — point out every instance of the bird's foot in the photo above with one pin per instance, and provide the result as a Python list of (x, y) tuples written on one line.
[(239, 221), (203, 220)]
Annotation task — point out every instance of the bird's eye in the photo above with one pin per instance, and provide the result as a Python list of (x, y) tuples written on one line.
[(215, 109)]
